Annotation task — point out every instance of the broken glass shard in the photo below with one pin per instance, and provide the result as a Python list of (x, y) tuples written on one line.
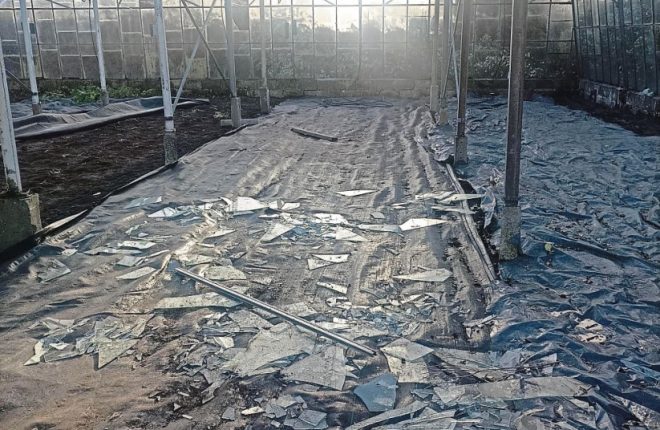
[(143, 201), (224, 273), (136, 274), (379, 394), (436, 275), (195, 301), (355, 193), (406, 350), (327, 369), (415, 223)]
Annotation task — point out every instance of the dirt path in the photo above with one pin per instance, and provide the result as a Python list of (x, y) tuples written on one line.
[(74, 172), (154, 385)]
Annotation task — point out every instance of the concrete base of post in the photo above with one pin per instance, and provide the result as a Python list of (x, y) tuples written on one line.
[(169, 145), (36, 109), (510, 241), (20, 218), (105, 99), (264, 99), (435, 91), (442, 117), (460, 150), (236, 112)]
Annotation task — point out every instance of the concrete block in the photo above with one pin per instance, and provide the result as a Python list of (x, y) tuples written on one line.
[(510, 242), (460, 150), (20, 218)]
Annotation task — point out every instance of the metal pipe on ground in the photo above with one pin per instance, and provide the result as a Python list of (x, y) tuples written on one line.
[(460, 144), (29, 58), (234, 295), (510, 244), (99, 53), (169, 138)]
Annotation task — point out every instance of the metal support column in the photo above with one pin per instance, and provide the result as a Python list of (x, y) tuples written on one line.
[(7, 141), (444, 62), (29, 58), (510, 243), (99, 53), (434, 56), (198, 41), (460, 146), (264, 94), (231, 62), (169, 138)]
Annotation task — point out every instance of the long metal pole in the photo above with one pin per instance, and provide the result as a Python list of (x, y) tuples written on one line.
[(7, 141), (29, 58), (189, 61), (99, 53), (434, 56), (511, 215), (169, 139), (264, 93), (444, 62), (231, 62), (460, 148), (265, 306)]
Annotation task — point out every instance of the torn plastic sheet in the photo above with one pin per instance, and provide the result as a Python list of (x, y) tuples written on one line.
[(326, 368), (436, 275), (130, 261), (279, 205), (602, 220), (460, 197), (111, 251), (512, 389), (136, 244)]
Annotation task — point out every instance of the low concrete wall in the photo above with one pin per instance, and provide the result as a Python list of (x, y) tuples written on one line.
[(620, 98)]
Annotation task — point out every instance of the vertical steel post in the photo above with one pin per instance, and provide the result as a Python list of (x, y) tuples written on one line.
[(29, 57), (169, 138), (7, 141), (444, 62), (434, 56), (510, 243), (99, 53), (231, 62), (460, 146), (264, 94)]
